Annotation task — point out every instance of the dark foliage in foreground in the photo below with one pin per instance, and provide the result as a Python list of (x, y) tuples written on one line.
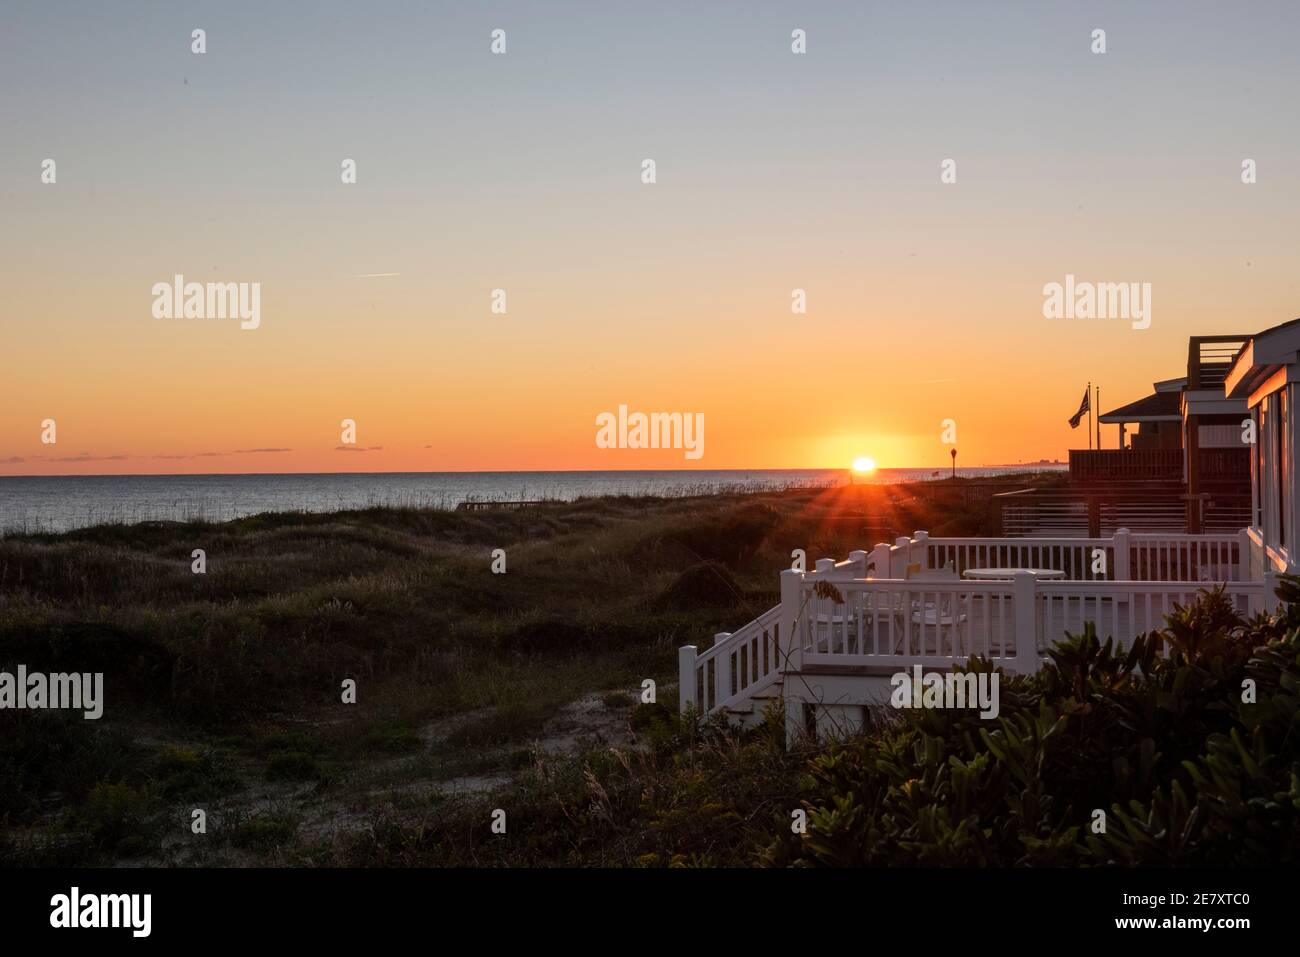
[(1192, 756), (1165, 738)]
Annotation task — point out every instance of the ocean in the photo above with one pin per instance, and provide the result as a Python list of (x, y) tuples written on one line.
[(61, 503)]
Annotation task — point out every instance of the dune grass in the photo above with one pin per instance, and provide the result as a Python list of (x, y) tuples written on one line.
[(226, 687)]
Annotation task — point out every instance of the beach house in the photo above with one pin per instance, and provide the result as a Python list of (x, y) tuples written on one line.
[(1179, 464), (829, 651), (1264, 375)]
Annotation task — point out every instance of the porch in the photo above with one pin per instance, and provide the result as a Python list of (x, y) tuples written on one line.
[(840, 631), (1227, 465), (1154, 507)]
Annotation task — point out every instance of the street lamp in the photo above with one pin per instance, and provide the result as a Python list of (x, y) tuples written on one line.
[(953, 453)]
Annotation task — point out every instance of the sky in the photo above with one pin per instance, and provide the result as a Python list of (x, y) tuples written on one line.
[(522, 171)]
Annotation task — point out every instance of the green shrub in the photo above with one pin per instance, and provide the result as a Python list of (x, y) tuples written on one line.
[(293, 766), (510, 722), (185, 774), (1188, 768), (392, 741), (116, 817), (705, 585), (733, 538), (262, 832), (43, 753)]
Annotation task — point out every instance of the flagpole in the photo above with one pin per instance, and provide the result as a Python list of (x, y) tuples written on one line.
[(1098, 418), (1089, 390)]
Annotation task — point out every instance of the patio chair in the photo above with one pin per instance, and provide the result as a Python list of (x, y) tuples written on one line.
[(932, 616)]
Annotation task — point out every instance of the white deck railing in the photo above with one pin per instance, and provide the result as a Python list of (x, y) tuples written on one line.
[(738, 665), (891, 622), (1125, 584), (1124, 556)]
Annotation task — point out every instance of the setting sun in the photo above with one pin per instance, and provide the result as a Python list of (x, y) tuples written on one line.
[(863, 464)]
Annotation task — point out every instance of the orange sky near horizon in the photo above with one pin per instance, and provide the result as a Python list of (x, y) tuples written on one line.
[(507, 393), (522, 172)]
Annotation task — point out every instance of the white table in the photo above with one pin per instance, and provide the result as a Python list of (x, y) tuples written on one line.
[(994, 574)]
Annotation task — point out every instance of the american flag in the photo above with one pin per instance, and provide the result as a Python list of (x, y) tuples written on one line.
[(1084, 406)]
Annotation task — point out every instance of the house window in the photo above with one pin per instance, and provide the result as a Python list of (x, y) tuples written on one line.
[(1265, 479), (1274, 448), (1267, 473), (1257, 472), (1280, 423)]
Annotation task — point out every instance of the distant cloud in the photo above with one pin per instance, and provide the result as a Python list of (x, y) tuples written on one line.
[(15, 460), (376, 275), (353, 448), (83, 457), (213, 455)]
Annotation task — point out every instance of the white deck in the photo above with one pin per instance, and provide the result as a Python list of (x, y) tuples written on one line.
[(902, 618), (888, 611)]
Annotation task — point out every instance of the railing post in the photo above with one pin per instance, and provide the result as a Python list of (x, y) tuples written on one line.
[(825, 566), (686, 689), (920, 541), (900, 556), (1244, 569), (791, 645), (1121, 572), (722, 670), (1025, 603), (880, 560), (859, 558)]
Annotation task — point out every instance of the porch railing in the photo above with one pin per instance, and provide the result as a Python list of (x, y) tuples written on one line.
[(1079, 513), (891, 623), (1126, 465), (738, 665), (1125, 583), (1124, 556)]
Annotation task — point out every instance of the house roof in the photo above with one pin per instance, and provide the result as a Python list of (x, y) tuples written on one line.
[(1263, 354), (1157, 407)]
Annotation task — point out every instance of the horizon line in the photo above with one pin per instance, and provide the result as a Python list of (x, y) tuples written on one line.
[(1028, 466)]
